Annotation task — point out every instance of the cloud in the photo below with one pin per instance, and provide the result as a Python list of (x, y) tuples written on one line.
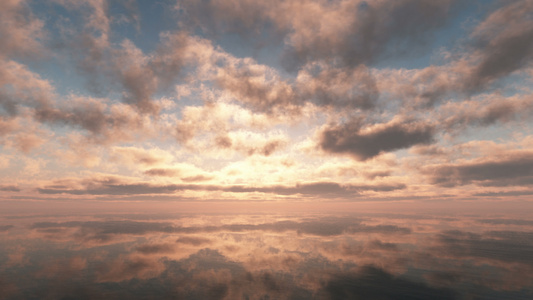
[(162, 172), (194, 241), (352, 32), (25, 142), (95, 12), (224, 129), (21, 31), (9, 188), (504, 193), (374, 174), (142, 75), (506, 222), (177, 172), (410, 90), (196, 178), (258, 86), (338, 87), (365, 143), (192, 86), (513, 169), (156, 248), (429, 150), (365, 31), (103, 123), (145, 157), (116, 186), (379, 245), (264, 89), (251, 143), (4, 228), (122, 66), (503, 42), (21, 86), (490, 110)]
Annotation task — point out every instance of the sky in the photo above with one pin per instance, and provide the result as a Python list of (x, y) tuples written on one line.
[(295, 101)]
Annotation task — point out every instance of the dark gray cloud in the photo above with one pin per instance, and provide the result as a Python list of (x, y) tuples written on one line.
[(142, 77), (503, 194), (191, 240), (8, 106), (512, 170), (162, 172), (265, 148), (504, 41), (485, 113), (339, 87), (9, 188), (107, 67), (4, 228), (156, 248), (100, 124), (506, 221), (378, 29), (361, 144), (114, 187), (369, 29)]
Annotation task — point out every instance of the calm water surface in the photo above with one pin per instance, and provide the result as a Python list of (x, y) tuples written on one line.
[(265, 256)]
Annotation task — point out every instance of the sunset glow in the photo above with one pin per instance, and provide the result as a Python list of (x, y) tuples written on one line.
[(270, 101), (266, 109)]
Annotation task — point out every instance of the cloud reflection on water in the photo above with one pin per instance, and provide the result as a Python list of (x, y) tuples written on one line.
[(266, 257)]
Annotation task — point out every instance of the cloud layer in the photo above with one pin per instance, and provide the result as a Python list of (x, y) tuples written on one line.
[(266, 100)]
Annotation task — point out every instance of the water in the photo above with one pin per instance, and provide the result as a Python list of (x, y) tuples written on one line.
[(265, 256)]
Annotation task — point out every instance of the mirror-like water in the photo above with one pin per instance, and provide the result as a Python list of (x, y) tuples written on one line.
[(263, 256)]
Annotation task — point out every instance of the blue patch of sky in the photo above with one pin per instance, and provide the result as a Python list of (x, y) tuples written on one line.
[(514, 84), (155, 17), (453, 34), (497, 132), (265, 49), (56, 67)]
